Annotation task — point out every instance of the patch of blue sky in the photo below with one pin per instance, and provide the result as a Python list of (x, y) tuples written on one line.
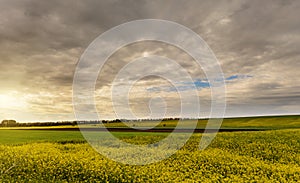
[(198, 84), (234, 77)]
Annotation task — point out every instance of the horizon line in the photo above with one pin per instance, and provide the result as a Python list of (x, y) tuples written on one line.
[(200, 118)]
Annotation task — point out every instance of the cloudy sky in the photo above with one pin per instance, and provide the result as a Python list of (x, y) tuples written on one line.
[(256, 42)]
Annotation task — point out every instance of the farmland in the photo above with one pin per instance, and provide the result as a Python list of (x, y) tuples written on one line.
[(265, 122), (64, 156)]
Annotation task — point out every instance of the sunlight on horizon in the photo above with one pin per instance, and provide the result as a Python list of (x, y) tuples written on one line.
[(12, 100)]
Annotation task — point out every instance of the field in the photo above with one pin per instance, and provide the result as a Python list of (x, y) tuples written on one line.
[(64, 156), (272, 122)]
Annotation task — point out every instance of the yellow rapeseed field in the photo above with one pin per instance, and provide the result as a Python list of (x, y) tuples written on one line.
[(270, 156)]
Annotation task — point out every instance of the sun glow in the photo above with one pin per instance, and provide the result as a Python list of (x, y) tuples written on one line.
[(145, 54), (8, 101)]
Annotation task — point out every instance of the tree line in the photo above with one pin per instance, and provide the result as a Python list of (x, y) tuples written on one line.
[(14, 123)]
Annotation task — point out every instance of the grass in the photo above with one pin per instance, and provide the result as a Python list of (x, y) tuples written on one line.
[(268, 122), (32, 134), (14, 137)]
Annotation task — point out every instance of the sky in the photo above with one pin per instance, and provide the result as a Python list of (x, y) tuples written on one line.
[(256, 43)]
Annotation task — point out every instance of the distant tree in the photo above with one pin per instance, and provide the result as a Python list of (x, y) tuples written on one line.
[(9, 123)]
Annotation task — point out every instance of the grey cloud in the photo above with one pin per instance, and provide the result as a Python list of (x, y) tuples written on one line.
[(41, 42)]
